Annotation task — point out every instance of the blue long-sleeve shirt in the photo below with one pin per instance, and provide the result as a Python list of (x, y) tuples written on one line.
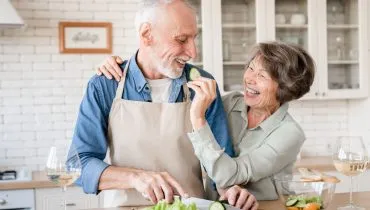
[(90, 135)]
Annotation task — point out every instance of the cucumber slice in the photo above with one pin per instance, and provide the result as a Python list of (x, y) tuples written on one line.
[(216, 205), (301, 204), (291, 202), (194, 74)]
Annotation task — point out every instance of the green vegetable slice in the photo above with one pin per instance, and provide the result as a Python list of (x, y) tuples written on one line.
[(192, 206), (176, 205), (194, 74), (216, 205), (291, 202), (300, 204)]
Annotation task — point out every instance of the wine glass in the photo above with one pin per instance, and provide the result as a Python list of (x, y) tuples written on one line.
[(339, 43), (350, 158), (335, 10), (63, 167)]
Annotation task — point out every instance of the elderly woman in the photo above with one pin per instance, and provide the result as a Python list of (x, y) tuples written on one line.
[(266, 138)]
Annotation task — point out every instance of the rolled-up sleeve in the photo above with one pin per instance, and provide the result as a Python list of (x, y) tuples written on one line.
[(279, 149), (89, 137)]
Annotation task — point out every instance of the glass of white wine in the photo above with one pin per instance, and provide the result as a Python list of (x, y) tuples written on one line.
[(63, 167), (350, 158)]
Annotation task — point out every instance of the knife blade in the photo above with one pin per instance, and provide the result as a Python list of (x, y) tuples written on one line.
[(203, 204)]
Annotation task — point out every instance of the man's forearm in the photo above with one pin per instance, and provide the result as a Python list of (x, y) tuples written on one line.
[(114, 177)]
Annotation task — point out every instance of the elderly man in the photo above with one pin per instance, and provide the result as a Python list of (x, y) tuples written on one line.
[(143, 118)]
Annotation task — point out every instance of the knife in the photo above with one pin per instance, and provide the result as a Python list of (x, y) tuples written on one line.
[(203, 204)]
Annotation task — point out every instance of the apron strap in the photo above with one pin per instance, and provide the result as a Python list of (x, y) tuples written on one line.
[(121, 86), (186, 93), (121, 83)]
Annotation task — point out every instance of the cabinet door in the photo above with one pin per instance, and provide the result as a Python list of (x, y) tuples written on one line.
[(53, 198), (198, 6), (234, 33), (343, 54), (295, 22)]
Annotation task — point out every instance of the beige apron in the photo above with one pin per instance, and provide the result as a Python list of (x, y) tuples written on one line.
[(152, 136)]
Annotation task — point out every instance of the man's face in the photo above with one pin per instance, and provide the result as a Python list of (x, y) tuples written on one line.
[(174, 35)]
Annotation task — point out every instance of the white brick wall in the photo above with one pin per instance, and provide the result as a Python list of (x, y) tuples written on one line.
[(40, 89), (323, 122)]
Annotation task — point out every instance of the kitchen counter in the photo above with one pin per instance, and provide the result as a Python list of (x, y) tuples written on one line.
[(340, 199), (39, 180), (323, 163)]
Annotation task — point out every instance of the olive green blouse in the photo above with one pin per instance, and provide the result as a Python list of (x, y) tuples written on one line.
[(262, 152)]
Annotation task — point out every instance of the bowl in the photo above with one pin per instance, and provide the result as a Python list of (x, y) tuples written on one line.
[(298, 19), (302, 195)]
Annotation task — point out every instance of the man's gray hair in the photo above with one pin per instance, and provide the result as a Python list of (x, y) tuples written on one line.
[(147, 10)]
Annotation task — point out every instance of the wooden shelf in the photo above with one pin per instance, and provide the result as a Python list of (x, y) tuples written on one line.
[(343, 26), (239, 25), (345, 62), (291, 26)]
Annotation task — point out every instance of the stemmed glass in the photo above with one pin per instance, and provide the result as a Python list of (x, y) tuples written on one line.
[(63, 167), (350, 158)]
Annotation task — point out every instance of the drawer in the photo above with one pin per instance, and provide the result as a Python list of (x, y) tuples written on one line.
[(57, 203), (11, 199), (53, 198)]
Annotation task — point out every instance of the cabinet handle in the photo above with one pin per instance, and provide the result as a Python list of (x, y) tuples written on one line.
[(324, 94), (70, 204), (2, 202), (317, 94)]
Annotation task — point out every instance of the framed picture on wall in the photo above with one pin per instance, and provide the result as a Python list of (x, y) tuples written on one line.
[(85, 37)]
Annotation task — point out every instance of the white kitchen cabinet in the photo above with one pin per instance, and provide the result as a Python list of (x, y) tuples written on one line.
[(334, 32), (52, 198), (17, 199)]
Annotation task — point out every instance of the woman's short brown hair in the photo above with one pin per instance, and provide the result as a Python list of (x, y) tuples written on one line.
[(289, 65)]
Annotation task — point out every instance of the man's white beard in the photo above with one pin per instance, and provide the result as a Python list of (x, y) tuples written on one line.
[(166, 71)]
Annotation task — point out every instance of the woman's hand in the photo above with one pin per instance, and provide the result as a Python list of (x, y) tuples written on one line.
[(110, 68), (239, 197), (205, 94)]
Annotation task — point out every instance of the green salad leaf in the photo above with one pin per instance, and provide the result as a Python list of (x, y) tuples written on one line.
[(176, 205)]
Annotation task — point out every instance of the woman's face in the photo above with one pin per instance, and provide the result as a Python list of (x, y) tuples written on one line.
[(259, 87)]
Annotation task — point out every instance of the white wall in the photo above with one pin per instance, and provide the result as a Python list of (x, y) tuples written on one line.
[(359, 110), (40, 89)]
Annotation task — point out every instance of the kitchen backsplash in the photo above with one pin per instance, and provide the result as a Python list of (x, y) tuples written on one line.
[(40, 89)]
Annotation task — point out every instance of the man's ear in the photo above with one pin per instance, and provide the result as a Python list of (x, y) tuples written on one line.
[(145, 33)]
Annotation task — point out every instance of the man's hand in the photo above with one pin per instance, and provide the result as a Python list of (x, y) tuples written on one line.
[(239, 197), (110, 68), (157, 186), (205, 94)]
